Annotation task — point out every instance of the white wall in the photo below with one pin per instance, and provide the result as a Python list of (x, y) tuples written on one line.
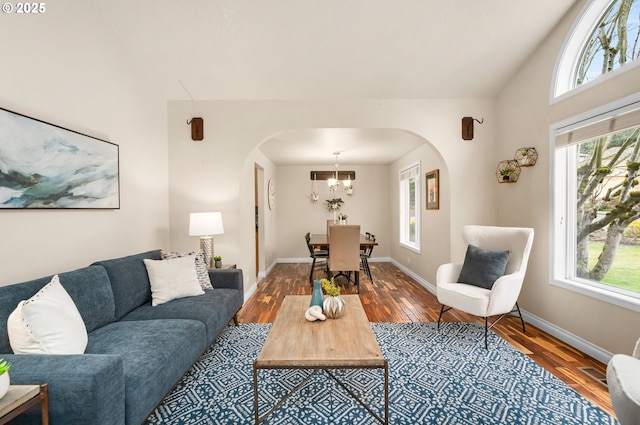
[(525, 116), (217, 173), (369, 206), (62, 68), (435, 235)]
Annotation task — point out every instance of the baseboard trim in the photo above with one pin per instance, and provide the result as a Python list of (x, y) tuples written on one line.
[(249, 292), (574, 341), (309, 260), (428, 285)]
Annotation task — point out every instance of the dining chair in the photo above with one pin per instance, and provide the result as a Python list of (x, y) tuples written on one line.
[(489, 281), (344, 252), (330, 222), (319, 257), (365, 254)]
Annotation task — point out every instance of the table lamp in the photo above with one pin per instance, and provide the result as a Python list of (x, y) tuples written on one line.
[(205, 225)]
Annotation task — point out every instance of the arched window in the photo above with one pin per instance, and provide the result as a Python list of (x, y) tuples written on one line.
[(605, 37)]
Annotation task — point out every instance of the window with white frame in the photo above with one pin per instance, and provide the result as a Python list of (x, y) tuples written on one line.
[(410, 207), (596, 205)]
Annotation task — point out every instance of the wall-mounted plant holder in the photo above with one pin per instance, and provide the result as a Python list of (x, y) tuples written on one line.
[(508, 171), (526, 157)]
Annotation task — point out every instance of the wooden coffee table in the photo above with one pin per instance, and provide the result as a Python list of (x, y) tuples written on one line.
[(344, 343)]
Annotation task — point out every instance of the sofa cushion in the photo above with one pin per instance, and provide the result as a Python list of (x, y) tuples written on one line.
[(214, 309), (172, 279), (202, 271), (47, 323), (89, 288), (155, 354), (482, 267), (129, 280)]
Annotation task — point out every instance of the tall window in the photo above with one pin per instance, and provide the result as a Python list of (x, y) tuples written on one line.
[(597, 206), (605, 37), (410, 207)]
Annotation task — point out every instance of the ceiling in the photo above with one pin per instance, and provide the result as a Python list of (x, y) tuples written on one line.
[(356, 146), (328, 49)]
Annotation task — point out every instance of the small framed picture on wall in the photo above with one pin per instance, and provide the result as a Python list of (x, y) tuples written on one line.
[(433, 190)]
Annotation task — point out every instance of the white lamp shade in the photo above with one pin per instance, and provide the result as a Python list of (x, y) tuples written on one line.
[(206, 223)]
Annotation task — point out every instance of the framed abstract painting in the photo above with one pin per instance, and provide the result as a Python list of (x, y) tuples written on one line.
[(43, 165)]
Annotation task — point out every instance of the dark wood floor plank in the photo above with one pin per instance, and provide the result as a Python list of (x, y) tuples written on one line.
[(393, 296)]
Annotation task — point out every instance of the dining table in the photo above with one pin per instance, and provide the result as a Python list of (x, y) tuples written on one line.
[(321, 240)]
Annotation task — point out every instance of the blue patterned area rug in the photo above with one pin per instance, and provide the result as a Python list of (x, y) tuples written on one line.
[(444, 377)]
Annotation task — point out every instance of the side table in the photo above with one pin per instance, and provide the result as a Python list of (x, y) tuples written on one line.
[(225, 266), (19, 398)]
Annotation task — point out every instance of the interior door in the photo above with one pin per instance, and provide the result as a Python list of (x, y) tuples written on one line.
[(256, 202)]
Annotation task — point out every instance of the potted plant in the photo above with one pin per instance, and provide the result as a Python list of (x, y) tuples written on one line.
[(217, 261), (505, 173), (4, 377), (524, 157), (334, 204), (342, 218), (333, 305), (349, 189)]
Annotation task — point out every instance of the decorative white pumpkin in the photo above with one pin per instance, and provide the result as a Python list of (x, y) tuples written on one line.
[(333, 307)]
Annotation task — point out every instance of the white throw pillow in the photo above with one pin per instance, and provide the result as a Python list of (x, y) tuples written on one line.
[(201, 267), (172, 279), (47, 323)]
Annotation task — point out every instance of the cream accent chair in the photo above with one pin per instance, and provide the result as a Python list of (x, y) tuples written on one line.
[(623, 379), (502, 298), (344, 252)]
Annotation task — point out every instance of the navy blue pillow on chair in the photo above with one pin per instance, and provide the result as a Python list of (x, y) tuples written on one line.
[(482, 267)]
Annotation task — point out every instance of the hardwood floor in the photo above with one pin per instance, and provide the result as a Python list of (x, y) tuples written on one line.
[(395, 297)]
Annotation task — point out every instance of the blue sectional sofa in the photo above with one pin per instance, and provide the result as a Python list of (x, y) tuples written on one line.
[(135, 354)]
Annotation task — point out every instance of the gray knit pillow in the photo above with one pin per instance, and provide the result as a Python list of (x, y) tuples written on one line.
[(201, 267), (482, 267)]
